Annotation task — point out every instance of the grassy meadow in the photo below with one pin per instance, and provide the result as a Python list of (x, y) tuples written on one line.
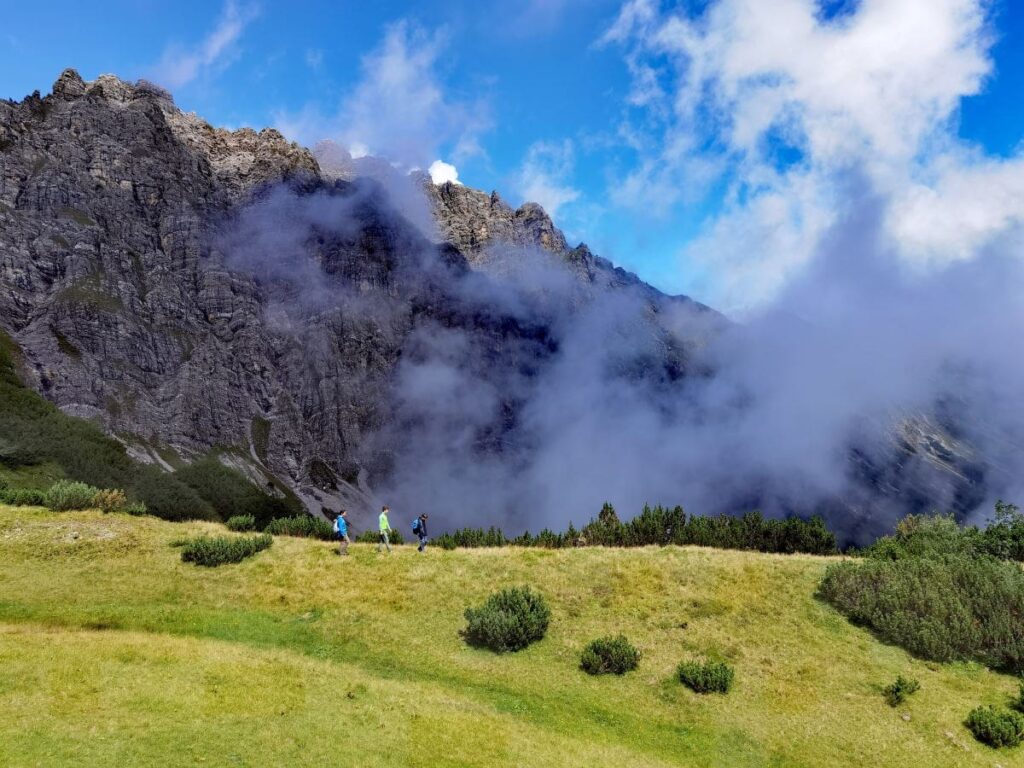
[(114, 652)]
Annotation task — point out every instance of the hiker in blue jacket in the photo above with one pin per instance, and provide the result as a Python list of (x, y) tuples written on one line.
[(419, 527), (341, 528)]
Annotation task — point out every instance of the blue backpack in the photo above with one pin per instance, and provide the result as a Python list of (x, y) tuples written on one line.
[(416, 525)]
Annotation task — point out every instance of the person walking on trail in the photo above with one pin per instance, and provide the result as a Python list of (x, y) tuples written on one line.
[(341, 528), (419, 527), (385, 530)]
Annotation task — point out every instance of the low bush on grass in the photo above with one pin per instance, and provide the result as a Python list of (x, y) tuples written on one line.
[(136, 508), (508, 620), (65, 495), (609, 655), (22, 497), (306, 526), (706, 677), (372, 537), (996, 727), (211, 551), (896, 693), (241, 523), (110, 500)]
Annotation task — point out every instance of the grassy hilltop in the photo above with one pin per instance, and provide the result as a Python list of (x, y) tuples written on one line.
[(114, 652)]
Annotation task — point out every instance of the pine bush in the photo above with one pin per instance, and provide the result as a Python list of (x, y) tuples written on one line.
[(305, 526), (241, 523), (609, 655), (896, 693), (706, 677), (211, 551), (996, 727), (66, 495), (508, 620)]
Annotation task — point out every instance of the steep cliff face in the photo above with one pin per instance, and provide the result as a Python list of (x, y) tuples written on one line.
[(147, 279)]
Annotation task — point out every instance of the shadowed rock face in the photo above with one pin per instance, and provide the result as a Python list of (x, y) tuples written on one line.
[(190, 287), (126, 234)]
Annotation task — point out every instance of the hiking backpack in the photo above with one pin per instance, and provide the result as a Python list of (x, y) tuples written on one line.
[(416, 525)]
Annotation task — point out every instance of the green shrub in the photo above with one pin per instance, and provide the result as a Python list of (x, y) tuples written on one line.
[(706, 677), (110, 500), (609, 655), (211, 551), (241, 523), (996, 727), (136, 508), (304, 525), (1018, 703), (944, 609), (23, 497), (896, 693), (508, 620), (371, 536), (66, 495)]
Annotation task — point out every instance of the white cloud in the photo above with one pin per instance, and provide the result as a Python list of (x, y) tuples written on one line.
[(399, 109), (876, 91), (180, 65), (541, 179), (441, 172)]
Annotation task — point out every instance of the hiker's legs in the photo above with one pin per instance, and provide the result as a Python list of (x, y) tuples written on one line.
[(343, 543), (423, 543), (384, 541)]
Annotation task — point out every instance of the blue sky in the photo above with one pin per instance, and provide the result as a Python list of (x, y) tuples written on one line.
[(592, 105)]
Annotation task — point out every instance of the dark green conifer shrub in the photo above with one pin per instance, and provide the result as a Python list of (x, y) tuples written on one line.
[(609, 655), (957, 607), (896, 693), (508, 620), (230, 493), (306, 526), (996, 727), (241, 523), (706, 677), (211, 551)]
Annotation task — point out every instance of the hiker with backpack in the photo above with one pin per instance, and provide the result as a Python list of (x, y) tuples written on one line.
[(341, 528), (385, 530), (419, 527)]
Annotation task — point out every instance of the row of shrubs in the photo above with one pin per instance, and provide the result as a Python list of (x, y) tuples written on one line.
[(936, 589), (661, 526), (67, 495), (514, 618)]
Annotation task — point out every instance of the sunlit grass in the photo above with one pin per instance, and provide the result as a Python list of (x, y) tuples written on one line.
[(113, 651)]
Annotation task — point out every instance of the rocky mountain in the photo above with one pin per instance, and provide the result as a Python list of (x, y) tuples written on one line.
[(197, 290), (126, 234)]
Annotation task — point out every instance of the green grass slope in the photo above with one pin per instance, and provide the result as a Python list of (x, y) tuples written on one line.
[(114, 652)]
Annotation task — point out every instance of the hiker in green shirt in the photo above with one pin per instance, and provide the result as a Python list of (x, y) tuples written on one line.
[(385, 529)]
